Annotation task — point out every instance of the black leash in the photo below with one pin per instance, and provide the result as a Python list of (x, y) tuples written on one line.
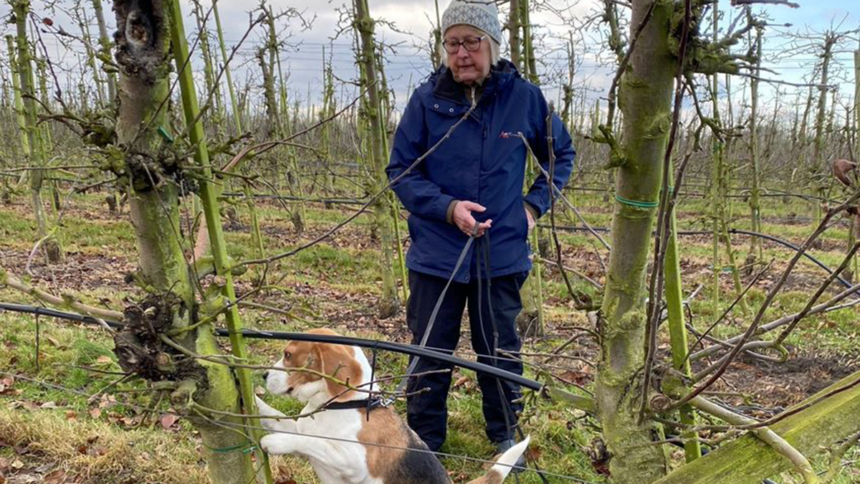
[(403, 382), (372, 378), (511, 421), (366, 403)]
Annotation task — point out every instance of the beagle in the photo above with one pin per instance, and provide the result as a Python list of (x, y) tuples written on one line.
[(343, 443)]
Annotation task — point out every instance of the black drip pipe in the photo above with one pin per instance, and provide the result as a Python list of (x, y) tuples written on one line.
[(20, 308), (402, 348), (779, 241)]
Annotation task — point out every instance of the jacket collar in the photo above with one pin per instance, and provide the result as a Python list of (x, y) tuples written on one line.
[(447, 88)]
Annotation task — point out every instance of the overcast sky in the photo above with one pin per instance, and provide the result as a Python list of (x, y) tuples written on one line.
[(408, 65)]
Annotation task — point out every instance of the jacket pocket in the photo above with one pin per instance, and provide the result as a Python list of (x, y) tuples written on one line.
[(524, 221), (412, 224)]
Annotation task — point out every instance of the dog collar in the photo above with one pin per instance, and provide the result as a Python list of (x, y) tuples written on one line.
[(368, 403)]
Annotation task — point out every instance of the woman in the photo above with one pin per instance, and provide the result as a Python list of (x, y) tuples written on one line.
[(472, 184)]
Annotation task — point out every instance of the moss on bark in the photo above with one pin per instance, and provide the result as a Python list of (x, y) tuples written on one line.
[(748, 460), (143, 56), (645, 100)]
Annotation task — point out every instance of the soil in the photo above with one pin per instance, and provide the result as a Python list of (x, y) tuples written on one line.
[(26, 468), (78, 273), (776, 386)]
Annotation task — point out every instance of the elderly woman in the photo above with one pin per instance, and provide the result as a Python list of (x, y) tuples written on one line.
[(472, 184)]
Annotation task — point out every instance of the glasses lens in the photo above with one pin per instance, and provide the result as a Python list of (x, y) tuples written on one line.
[(472, 44), (452, 46)]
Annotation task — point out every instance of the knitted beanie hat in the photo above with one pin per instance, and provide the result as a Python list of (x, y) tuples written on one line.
[(481, 14)]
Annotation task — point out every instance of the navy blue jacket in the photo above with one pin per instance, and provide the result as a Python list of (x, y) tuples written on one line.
[(483, 162)]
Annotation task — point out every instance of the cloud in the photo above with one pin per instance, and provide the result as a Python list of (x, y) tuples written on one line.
[(302, 58)]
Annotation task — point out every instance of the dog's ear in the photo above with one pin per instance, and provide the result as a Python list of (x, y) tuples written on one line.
[(338, 361)]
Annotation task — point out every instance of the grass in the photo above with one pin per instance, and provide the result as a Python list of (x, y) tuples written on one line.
[(337, 277), (102, 452)]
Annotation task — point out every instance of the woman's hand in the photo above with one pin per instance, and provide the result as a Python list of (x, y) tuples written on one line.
[(463, 219), (530, 219)]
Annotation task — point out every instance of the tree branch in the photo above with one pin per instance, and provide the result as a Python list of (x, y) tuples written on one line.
[(736, 3), (65, 301), (766, 435)]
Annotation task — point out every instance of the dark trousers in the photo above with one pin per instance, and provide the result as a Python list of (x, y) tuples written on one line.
[(427, 412)]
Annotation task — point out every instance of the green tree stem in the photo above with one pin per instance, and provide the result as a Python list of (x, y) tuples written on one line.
[(678, 330), (208, 196), (104, 40), (388, 302)]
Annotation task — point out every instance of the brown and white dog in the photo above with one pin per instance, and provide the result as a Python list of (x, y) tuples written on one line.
[(343, 445)]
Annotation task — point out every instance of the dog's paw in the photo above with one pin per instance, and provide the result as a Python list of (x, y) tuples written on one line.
[(278, 421), (266, 410), (266, 444), (275, 444)]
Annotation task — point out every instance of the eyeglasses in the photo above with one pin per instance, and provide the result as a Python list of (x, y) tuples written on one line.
[(470, 43)]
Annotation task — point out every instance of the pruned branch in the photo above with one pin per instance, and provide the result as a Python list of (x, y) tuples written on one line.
[(766, 435), (821, 420), (65, 301), (754, 326)]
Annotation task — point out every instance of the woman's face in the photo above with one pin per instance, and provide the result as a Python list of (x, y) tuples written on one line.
[(468, 67)]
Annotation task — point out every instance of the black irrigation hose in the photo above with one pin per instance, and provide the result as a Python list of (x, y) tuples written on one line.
[(771, 194), (20, 308), (403, 348), (782, 242), (317, 338), (266, 196)]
